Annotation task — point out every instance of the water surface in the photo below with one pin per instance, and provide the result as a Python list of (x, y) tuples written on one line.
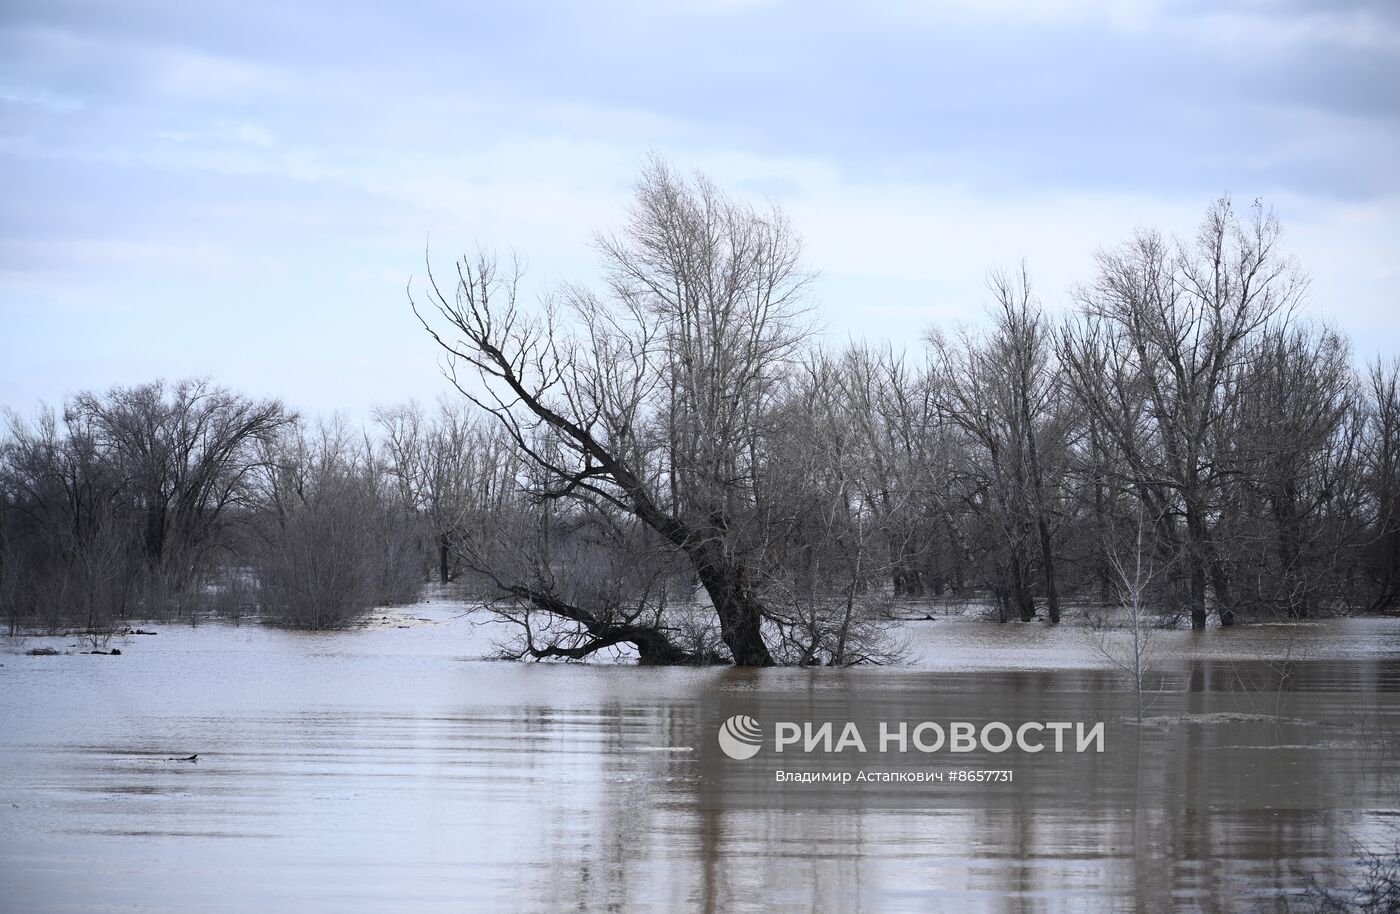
[(391, 769)]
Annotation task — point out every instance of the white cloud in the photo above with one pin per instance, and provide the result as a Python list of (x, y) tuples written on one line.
[(306, 190)]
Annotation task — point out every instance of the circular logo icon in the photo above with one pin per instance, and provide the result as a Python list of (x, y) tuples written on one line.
[(740, 737)]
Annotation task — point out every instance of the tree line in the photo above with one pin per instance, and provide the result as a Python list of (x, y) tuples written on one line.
[(668, 460), (161, 501)]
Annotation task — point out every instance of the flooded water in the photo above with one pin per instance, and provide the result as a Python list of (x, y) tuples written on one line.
[(392, 769)]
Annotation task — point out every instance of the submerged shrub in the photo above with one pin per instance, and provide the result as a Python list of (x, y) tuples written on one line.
[(339, 544)]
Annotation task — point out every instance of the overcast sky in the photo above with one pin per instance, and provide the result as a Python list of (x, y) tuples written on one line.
[(217, 188)]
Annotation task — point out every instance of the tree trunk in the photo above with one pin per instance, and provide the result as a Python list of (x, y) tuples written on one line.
[(1103, 570), (740, 615), (1220, 582), (962, 553), (1198, 593), (1047, 556), (1295, 586), (655, 649), (1025, 603), (1195, 554)]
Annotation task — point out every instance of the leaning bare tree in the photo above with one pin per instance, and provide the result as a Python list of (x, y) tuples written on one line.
[(646, 399)]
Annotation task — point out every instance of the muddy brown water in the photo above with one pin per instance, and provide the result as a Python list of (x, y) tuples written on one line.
[(390, 769)]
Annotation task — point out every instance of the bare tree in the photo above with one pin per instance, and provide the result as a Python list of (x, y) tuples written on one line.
[(1156, 360), (1034, 388), (183, 454), (449, 467), (1380, 472), (123, 504), (1137, 564), (1002, 391), (823, 546), (67, 554), (649, 397), (900, 464), (1295, 440)]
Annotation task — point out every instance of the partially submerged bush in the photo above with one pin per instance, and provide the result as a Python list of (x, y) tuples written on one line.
[(339, 544)]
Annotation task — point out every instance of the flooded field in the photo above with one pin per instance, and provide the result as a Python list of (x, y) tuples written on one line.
[(393, 769)]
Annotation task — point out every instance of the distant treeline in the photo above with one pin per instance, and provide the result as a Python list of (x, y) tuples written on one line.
[(163, 501), (672, 462)]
